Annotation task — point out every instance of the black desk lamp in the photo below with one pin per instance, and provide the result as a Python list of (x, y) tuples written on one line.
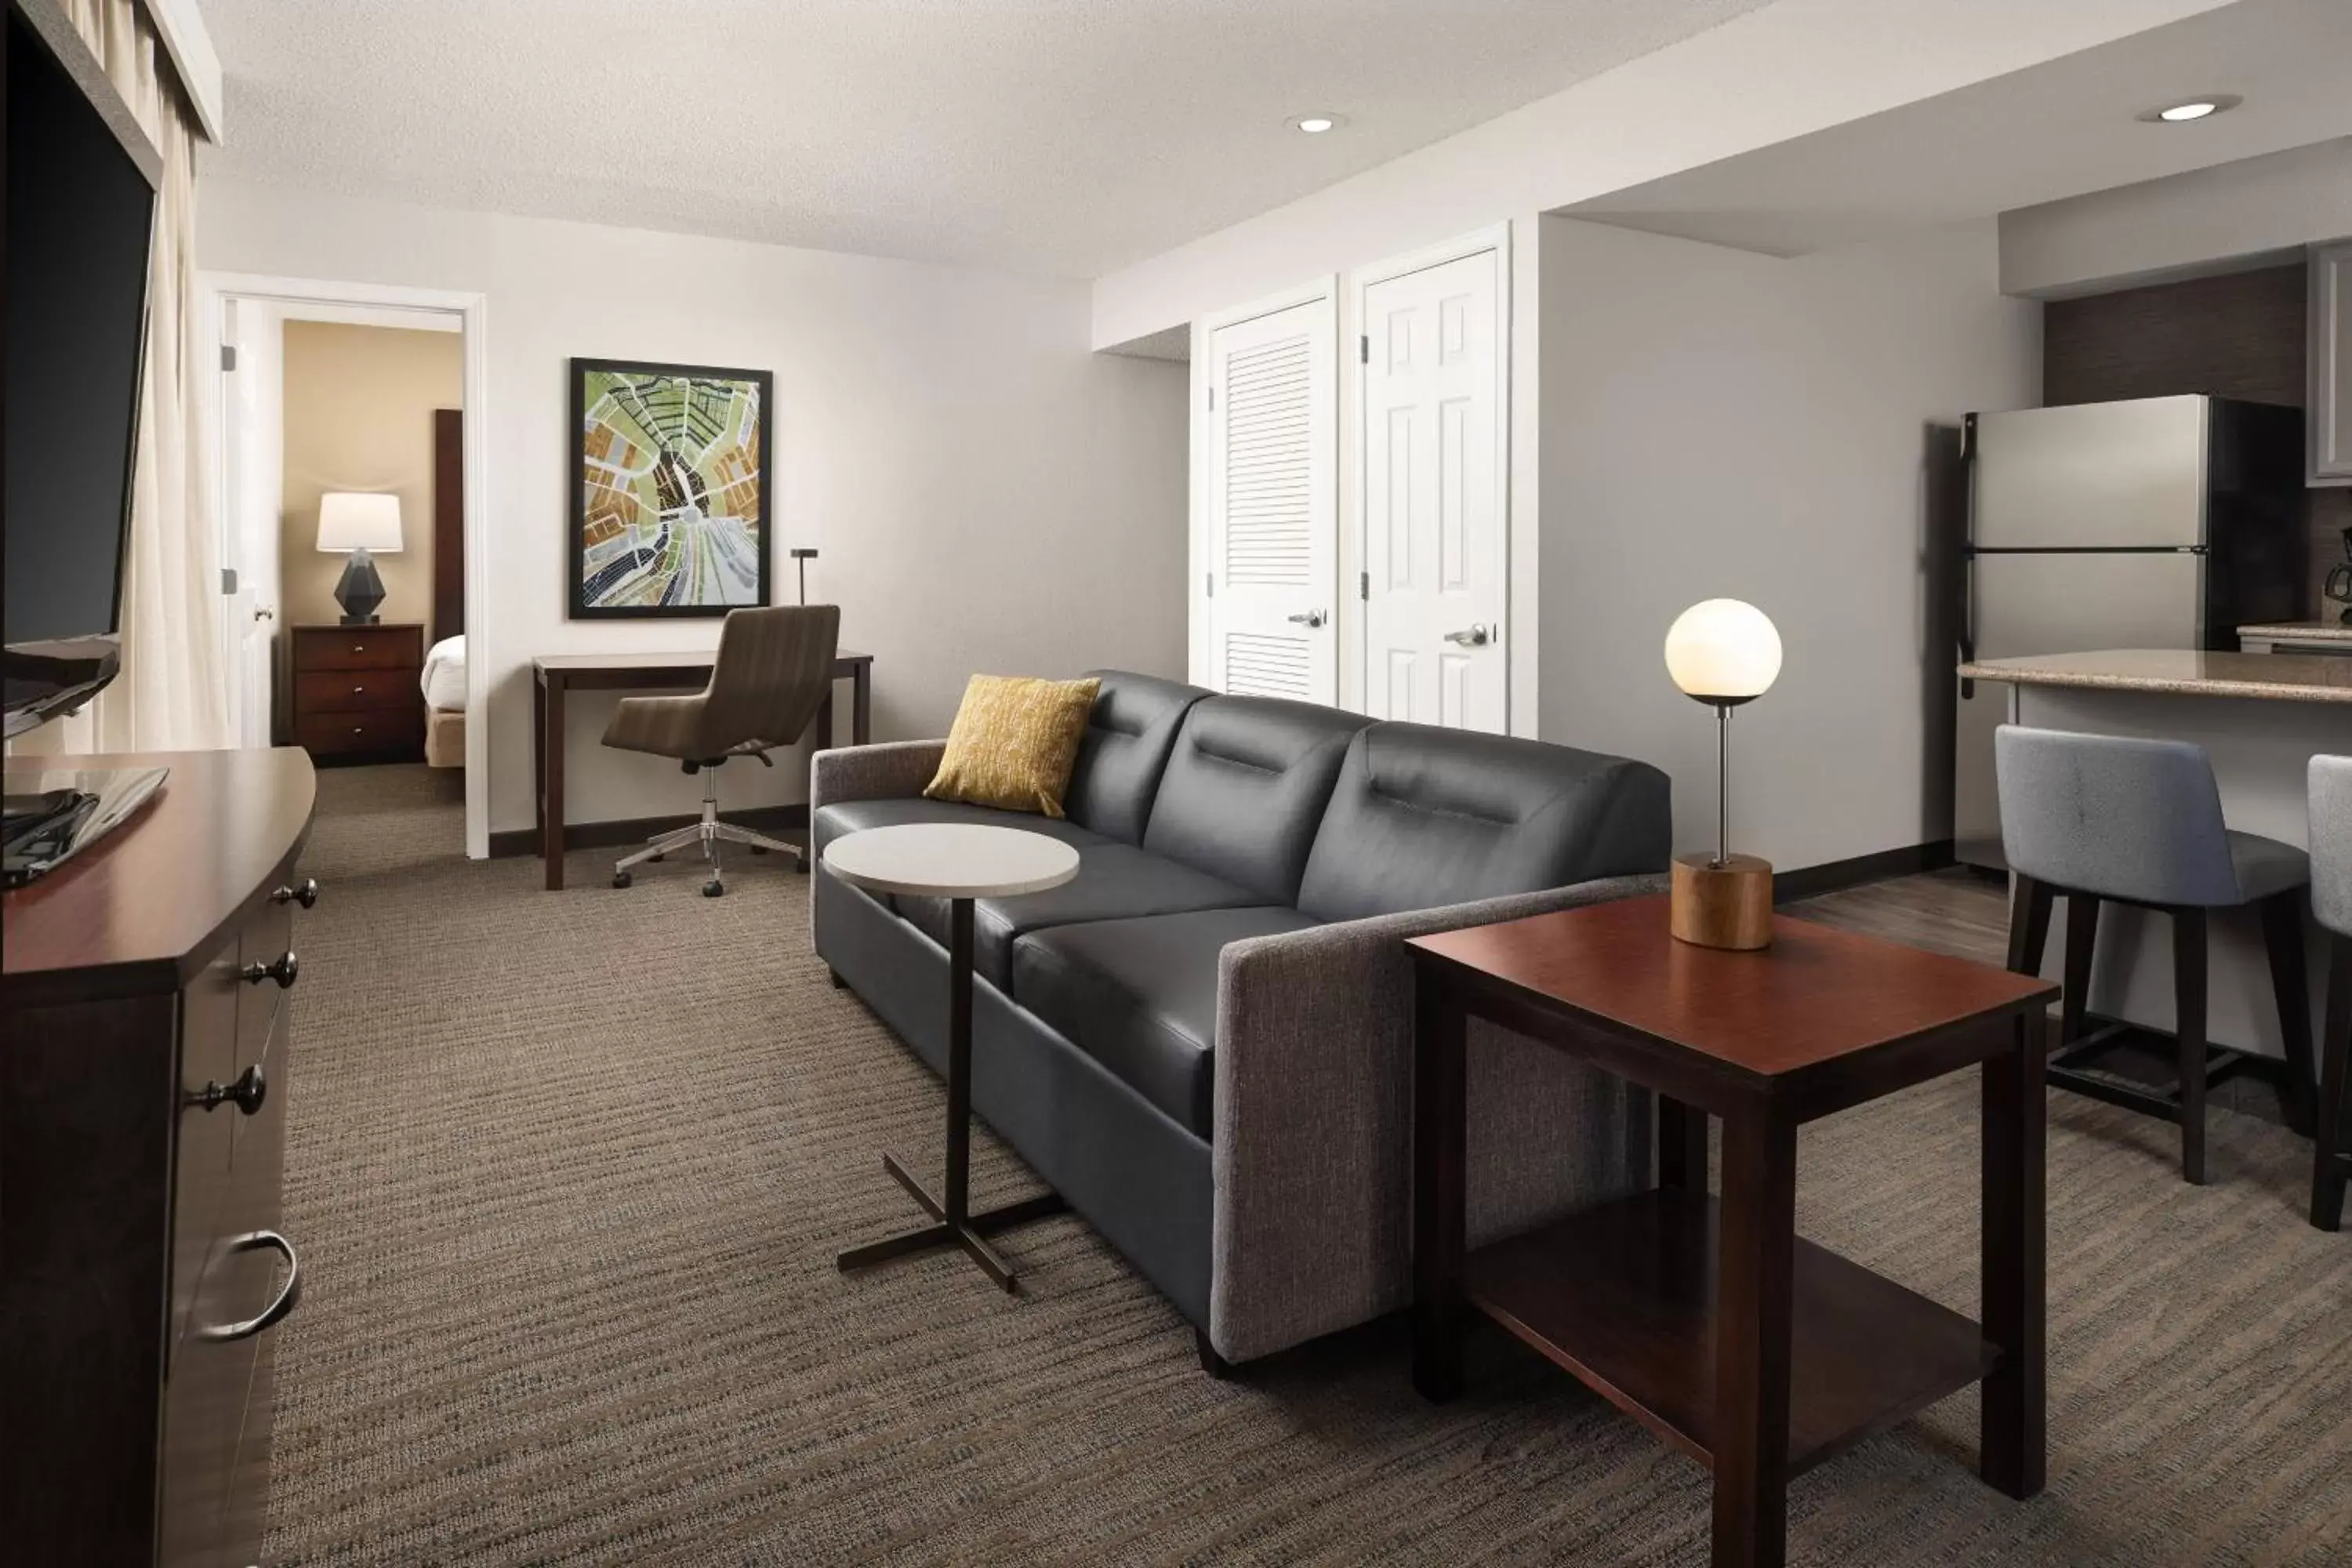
[(804, 557)]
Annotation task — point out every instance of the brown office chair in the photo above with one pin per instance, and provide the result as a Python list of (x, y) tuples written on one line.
[(772, 672)]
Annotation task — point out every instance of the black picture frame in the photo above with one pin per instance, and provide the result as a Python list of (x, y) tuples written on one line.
[(576, 591)]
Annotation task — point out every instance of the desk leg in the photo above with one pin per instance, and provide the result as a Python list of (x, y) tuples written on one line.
[(1682, 1146), (2013, 1439), (1754, 1273), (822, 728), (538, 755), (1439, 1080), (861, 705), (551, 755)]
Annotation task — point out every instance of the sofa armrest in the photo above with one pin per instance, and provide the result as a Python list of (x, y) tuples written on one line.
[(1313, 1145), (888, 769)]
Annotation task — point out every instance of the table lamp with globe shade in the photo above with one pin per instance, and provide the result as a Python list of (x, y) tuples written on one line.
[(1722, 653)]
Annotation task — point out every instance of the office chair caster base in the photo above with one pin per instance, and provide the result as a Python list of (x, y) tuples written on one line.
[(620, 879), (713, 887)]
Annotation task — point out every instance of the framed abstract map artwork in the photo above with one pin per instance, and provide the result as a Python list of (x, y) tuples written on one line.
[(669, 488)]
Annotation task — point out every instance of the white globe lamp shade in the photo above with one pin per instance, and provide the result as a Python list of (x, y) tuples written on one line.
[(1723, 650)]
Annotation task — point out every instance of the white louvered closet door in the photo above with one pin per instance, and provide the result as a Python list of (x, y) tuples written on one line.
[(1273, 519)]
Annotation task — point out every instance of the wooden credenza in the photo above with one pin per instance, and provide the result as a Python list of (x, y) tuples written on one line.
[(142, 1107), (356, 696)]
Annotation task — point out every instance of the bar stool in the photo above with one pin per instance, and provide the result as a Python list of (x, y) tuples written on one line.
[(2331, 901), (2105, 819)]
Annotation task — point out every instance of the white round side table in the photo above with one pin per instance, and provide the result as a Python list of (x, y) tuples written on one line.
[(958, 862)]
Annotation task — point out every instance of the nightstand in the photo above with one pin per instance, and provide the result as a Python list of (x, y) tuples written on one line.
[(356, 693)]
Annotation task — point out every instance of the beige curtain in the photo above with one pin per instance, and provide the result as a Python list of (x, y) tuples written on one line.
[(172, 692)]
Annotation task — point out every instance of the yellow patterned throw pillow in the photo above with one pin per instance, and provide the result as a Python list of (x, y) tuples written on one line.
[(1014, 741)]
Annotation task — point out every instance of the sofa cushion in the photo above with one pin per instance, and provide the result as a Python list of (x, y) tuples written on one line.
[(1421, 818), (1140, 996), (1244, 787), (1127, 739), (1115, 882)]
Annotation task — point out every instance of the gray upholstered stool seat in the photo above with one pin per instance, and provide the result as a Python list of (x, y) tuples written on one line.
[(2106, 818), (2265, 866), (2331, 902)]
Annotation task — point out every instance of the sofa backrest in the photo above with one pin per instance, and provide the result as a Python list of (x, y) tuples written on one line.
[(1244, 789), (1127, 739), (1421, 817)]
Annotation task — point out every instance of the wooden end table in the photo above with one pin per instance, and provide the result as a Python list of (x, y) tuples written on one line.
[(958, 862), (1710, 1321)]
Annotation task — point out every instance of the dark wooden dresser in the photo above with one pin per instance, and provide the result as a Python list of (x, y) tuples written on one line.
[(142, 1109), (355, 692)]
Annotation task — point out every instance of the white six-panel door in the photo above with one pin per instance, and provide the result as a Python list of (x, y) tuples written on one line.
[(1436, 555), (1272, 511)]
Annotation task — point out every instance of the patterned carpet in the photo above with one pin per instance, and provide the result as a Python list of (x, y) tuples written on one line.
[(568, 1172)]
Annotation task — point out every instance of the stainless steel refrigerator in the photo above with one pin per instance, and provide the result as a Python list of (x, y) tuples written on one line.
[(2158, 522)]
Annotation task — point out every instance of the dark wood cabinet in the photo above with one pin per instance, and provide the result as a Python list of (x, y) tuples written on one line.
[(143, 1106), (355, 695)]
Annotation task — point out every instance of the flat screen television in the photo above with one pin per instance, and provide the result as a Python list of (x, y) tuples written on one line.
[(80, 212)]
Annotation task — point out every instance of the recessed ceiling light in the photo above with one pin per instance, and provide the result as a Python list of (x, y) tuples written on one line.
[(2190, 109), (1318, 123)]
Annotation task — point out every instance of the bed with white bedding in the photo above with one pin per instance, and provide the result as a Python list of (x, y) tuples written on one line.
[(444, 684)]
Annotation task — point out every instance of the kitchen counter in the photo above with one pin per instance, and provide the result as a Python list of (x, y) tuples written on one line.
[(2299, 631), (2274, 677)]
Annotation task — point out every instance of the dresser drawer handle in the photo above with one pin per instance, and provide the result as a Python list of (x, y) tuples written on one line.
[(305, 893), (288, 1294), (285, 970), (247, 1093)]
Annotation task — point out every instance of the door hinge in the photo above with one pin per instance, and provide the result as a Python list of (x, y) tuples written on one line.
[(228, 356), (1213, 397), (228, 579), (1364, 349), (1364, 585), (1212, 584)]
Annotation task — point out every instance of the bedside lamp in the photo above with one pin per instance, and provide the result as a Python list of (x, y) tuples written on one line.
[(1722, 653), (355, 522)]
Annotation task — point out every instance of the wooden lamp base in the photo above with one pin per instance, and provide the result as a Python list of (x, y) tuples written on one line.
[(1727, 906)]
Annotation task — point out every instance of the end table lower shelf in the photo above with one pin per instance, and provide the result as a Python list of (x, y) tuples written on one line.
[(1624, 1296)]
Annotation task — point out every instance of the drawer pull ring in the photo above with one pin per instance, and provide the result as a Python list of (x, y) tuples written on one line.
[(247, 1093), (285, 970), (288, 1294), (305, 893)]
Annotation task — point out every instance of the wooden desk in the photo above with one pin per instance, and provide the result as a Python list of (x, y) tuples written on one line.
[(556, 676), (1710, 1321)]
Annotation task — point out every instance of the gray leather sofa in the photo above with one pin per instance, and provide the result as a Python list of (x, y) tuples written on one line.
[(1204, 1041)]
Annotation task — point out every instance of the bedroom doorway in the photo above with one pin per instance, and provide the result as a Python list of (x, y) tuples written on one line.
[(334, 401)]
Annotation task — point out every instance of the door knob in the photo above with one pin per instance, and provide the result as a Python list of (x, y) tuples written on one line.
[(305, 893), (1309, 618), (264, 613), (1471, 637), (247, 1093), (285, 970)]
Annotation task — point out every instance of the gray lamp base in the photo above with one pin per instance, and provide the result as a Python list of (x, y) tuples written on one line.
[(360, 590)]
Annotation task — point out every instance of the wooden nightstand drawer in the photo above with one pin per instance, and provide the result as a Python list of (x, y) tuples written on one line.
[(337, 691), (333, 734), (357, 647)]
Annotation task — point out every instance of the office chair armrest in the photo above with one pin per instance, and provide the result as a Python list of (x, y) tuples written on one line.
[(893, 770)]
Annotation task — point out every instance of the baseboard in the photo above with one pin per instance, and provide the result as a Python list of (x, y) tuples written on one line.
[(1837, 876), (637, 829)]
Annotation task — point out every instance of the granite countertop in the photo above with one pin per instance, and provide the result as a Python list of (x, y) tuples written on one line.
[(2301, 631), (2278, 677)]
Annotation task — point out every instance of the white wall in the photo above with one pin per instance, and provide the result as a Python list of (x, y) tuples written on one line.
[(987, 493), (1719, 423), (1790, 68), (2179, 226)]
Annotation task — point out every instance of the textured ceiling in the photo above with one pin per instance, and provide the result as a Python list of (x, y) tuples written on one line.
[(1058, 136)]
